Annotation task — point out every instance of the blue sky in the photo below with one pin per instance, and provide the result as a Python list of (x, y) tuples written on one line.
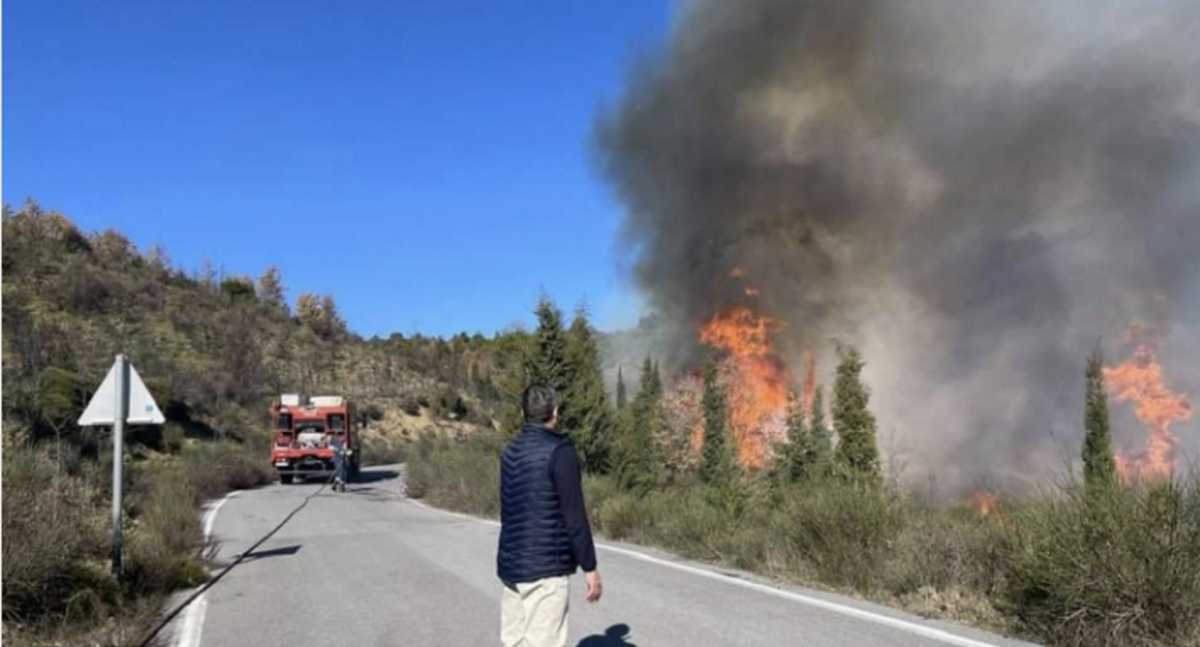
[(428, 163)]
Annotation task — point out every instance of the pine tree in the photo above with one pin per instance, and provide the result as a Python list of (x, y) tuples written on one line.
[(717, 462), (321, 315), (585, 413), (59, 403), (1099, 466), (270, 289), (514, 353), (620, 390), (857, 452), (819, 437), (549, 363), (207, 274), (308, 310), (333, 319)]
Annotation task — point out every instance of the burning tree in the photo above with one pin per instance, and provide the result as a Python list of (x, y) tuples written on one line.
[(897, 171), (756, 379), (683, 432)]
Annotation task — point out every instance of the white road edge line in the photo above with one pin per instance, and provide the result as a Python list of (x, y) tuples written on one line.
[(853, 612), (193, 617)]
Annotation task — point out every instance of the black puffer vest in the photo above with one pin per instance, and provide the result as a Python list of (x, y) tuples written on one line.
[(533, 538)]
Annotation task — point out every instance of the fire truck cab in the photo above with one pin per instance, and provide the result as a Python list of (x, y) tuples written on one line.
[(304, 430)]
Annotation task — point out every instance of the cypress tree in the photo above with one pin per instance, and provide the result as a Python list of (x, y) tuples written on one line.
[(638, 454), (795, 458), (857, 452), (1099, 466), (585, 413), (646, 382), (620, 389), (549, 362), (717, 462), (820, 438)]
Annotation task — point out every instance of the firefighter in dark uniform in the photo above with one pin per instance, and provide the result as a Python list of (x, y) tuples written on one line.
[(340, 455)]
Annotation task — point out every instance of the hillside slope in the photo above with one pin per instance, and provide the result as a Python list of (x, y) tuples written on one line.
[(213, 349)]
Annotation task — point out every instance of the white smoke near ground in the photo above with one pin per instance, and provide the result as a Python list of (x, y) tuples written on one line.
[(974, 193)]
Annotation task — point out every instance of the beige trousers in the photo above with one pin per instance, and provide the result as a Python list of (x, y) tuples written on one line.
[(535, 615)]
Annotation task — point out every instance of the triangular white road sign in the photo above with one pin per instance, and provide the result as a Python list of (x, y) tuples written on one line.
[(142, 408)]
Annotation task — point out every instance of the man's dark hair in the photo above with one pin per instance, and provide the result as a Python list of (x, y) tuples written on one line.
[(539, 402)]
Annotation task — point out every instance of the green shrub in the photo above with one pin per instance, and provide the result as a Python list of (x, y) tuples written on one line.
[(162, 545), (618, 516), (1113, 567), (464, 478), (448, 404), (172, 437), (56, 529), (947, 548), (369, 413), (409, 405), (52, 524), (597, 489), (214, 468), (845, 530), (686, 520), (378, 449), (1060, 567)]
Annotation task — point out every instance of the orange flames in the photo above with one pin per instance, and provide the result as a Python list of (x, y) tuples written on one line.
[(757, 381), (683, 400), (1140, 380), (985, 503)]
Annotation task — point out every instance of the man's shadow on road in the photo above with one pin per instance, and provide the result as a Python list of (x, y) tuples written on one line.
[(361, 484), (369, 475), (614, 636)]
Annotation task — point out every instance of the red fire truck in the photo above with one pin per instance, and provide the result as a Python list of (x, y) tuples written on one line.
[(304, 430)]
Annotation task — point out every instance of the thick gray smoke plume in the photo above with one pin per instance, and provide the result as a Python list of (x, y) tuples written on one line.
[(974, 193)]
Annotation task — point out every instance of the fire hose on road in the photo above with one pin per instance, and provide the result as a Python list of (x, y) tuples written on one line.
[(242, 556)]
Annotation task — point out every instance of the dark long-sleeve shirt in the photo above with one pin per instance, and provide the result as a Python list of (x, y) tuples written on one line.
[(564, 471)]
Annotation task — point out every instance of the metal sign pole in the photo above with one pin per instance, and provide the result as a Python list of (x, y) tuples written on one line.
[(121, 389), (120, 413)]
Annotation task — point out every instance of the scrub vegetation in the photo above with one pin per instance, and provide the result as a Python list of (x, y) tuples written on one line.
[(1086, 562), (213, 349), (1091, 561)]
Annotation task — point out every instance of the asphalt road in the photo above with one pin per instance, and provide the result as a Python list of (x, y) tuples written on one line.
[(370, 567)]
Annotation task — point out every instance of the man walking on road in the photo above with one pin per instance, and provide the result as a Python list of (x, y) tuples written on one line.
[(544, 530)]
